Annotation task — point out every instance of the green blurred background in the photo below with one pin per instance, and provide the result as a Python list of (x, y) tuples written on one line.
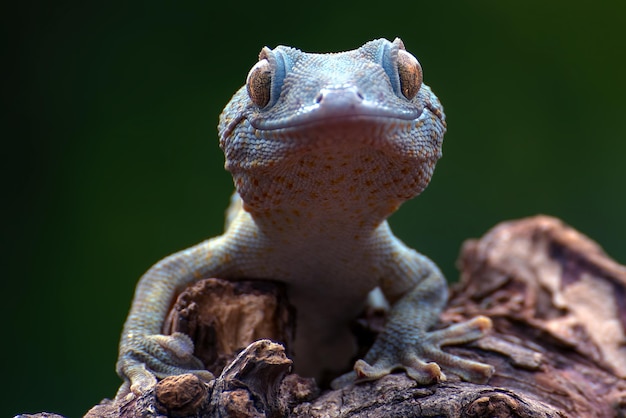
[(110, 155)]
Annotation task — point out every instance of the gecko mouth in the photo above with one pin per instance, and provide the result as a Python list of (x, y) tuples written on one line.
[(336, 106)]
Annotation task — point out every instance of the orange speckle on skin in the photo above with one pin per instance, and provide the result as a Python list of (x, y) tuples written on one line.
[(337, 180)]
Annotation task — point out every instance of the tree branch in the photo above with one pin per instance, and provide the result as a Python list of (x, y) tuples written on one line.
[(557, 301)]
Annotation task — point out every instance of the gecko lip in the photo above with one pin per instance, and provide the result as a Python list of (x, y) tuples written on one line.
[(337, 105)]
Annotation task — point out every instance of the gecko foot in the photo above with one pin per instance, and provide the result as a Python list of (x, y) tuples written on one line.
[(151, 357), (421, 356)]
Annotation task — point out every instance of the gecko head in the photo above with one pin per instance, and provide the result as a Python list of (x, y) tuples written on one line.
[(349, 119)]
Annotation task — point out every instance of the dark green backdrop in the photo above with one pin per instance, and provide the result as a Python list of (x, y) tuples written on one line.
[(111, 162)]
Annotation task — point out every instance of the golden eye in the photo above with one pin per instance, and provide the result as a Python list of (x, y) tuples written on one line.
[(410, 72), (259, 83)]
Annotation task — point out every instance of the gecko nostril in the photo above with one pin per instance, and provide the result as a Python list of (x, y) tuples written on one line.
[(343, 94)]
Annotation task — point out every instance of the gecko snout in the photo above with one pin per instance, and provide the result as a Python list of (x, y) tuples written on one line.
[(339, 96)]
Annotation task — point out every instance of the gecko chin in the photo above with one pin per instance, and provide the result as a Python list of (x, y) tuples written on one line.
[(334, 178)]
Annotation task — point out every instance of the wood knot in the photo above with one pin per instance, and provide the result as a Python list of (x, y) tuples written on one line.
[(181, 395)]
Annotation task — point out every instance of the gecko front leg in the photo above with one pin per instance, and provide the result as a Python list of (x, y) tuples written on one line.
[(144, 353), (408, 343)]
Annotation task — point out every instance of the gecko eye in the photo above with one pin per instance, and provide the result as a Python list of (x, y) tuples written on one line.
[(259, 83), (410, 72)]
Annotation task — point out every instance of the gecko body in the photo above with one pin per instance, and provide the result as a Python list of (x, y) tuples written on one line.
[(322, 149)]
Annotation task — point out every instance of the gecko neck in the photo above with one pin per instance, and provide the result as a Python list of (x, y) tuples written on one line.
[(326, 221)]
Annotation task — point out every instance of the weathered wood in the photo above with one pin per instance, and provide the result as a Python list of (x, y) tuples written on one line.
[(224, 317)]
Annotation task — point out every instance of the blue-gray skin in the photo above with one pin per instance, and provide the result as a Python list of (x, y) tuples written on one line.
[(322, 149)]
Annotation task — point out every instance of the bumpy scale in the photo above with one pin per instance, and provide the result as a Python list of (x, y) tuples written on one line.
[(322, 149)]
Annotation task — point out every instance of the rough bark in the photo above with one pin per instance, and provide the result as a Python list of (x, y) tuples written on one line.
[(557, 301)]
